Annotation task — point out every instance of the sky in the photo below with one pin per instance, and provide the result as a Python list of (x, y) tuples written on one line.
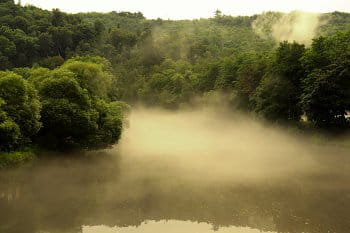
[(190, 9)]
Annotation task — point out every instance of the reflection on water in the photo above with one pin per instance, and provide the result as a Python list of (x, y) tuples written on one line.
[(280, 185), (171, 226), (62, 196)]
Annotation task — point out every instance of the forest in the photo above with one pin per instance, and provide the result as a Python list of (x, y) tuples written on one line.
[(68, 81)]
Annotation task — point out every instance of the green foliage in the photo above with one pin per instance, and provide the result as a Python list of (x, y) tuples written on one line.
[(276, 99), (21, 103), (30, 35), (91, 76), (67, 114), (67, 109), (250, 69), (11, 159), (286, 62), (52, 62), (119, 38), (10, 135), (109, 122), (171, 84), (277, 96), (74, 114), (9, 131), (326, 89), (336, 21)]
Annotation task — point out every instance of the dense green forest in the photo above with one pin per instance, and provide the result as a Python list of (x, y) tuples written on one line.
[(67, 80)]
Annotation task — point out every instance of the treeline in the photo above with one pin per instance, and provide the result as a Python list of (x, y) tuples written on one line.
[(172, 62), (64, 75), (282, 86), (29, 35)]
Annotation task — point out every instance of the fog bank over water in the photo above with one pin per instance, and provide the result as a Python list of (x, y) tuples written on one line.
[(214, 145)]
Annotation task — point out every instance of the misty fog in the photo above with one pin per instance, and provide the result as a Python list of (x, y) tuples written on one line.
[(212, 145), (297, 26)]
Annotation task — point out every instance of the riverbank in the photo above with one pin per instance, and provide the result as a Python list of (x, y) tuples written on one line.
[(32, 156), (17, 158)]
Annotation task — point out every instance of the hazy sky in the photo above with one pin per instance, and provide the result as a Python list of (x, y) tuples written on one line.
[(188, 9)]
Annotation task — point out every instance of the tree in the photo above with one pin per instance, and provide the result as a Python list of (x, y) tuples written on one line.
[(21, 104), (67, 114), (45, 44), (326, 89), (62, 39), (110, 124), (278, 95), (324, 99), (10, 133), (58, 18), (26, 46), (150, 55), (275, 100), (208, 79), (173, 84), (227, 74), (90, 76), (218, 14), (21, 23), (83, 33), (287, 62), (7, 47), (73, 118), (99, 27), (52, 62), (250, 71)]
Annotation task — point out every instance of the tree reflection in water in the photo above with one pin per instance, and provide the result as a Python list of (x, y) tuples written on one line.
[(64, 195)]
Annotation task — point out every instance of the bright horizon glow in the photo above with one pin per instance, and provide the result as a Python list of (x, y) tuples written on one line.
[(191, 9)]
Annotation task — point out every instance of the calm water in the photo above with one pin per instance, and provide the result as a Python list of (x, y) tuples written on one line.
[(135, 189), (98, 196)]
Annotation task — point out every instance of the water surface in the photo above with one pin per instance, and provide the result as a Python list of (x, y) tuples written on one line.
[(188, 172)]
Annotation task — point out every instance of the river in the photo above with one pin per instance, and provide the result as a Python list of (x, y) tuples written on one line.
[(191, 172)]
